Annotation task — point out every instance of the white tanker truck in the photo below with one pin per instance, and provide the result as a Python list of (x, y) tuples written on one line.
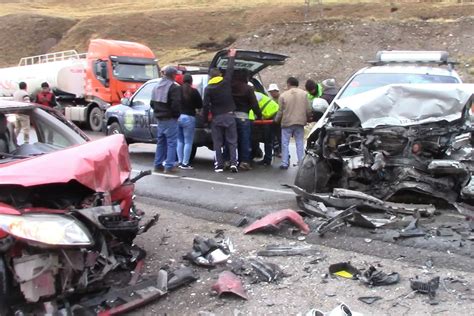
[(85, 84)]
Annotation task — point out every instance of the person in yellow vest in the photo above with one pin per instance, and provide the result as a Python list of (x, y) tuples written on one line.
[(269, 109), (315, 90)]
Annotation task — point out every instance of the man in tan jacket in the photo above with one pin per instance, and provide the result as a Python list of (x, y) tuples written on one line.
[(293, 115)]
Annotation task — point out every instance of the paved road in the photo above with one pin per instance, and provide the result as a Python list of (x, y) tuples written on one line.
[(247, 192)]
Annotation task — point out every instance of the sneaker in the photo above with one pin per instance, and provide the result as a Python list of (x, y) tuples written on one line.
[(218, 169), (245, 166), (234, 169), (158, 169), (264, 163), (171, 170), (282, 167), (185, 167), (226, 165)]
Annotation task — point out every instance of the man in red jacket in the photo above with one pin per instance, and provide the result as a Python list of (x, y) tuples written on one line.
[(45, 96)]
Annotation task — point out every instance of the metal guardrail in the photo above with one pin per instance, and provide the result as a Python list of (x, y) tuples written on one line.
[(51, 57)]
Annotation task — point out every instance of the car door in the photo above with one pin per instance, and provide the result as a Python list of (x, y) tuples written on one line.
[(252, 61), (137, 117)]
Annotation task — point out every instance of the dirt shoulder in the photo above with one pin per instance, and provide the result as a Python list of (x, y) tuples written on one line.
[(305, 288)]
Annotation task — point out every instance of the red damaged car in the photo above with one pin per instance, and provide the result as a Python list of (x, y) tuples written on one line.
[(67, 218)]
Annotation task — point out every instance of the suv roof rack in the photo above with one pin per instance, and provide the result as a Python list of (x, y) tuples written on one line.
[(386, 57)]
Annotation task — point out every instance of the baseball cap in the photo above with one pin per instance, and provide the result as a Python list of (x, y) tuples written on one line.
[(273, 87)]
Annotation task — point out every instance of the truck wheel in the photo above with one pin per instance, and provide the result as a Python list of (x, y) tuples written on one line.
[(95, 119), (193, 153), (114, 129)]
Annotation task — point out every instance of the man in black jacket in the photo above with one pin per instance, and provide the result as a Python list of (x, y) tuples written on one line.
[(166, 101), (219, 102)]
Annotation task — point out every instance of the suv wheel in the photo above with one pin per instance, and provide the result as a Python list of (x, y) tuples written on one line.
[(114, 129)]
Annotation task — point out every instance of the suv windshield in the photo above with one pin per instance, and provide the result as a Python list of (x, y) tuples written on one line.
[(135, 72), (365, 82), (31, 132)]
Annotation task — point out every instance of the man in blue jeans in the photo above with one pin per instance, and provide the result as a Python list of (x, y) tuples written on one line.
[(166, 101), (293, 114)]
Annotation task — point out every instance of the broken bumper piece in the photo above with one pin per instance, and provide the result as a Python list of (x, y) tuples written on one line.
[(343, 199), (229, 283), (271, 221)]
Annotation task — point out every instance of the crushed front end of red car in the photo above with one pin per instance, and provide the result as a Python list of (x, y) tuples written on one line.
[(67, 219)]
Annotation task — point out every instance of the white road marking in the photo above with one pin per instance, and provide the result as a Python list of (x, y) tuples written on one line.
[(250, 187)]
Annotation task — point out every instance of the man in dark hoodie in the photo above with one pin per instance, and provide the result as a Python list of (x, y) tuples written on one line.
[(245, 100), (219, 102), (166, 101)]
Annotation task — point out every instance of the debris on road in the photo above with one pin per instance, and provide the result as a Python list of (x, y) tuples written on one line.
[(277, 250), (266, 271), (412, 230), (229, 283), (341, 310), (369, 299), (429, 287), (180, 277), (374, 277), (345, 270), (271, 222), (209, 252)]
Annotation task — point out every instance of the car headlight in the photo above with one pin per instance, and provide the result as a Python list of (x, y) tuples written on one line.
[(50, 229)]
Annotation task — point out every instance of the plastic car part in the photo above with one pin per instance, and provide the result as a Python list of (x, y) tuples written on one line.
[(345, 270), (229, 283), (429, 287), (369, 299), (272, 220), (373, 277), (343, 199), (341, 310), (266, 271), (276, 250), (121, 300), (180, 277), (412, 230)]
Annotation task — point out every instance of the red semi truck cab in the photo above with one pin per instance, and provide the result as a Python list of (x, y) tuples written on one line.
[(115, 67)]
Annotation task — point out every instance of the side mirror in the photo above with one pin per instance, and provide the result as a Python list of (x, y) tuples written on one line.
[(125, 101), (320, 105)]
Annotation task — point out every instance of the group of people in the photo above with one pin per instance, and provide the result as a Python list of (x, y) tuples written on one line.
[(44, 97), (231, 105)]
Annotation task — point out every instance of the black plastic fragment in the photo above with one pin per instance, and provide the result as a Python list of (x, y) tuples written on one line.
[(369, 299)]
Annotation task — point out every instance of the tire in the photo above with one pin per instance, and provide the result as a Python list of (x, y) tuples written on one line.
[(114, 129), (193, 154), (313, 175), (94, 120)]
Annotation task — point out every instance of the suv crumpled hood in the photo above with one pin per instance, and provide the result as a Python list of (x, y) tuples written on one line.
[(100, 165), (410, 104)]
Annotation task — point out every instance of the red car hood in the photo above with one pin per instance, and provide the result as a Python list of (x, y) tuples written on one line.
[(100, 165)]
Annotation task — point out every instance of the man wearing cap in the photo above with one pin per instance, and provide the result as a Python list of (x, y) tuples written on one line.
[(166, 102), (274, 91), (329, 90)]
